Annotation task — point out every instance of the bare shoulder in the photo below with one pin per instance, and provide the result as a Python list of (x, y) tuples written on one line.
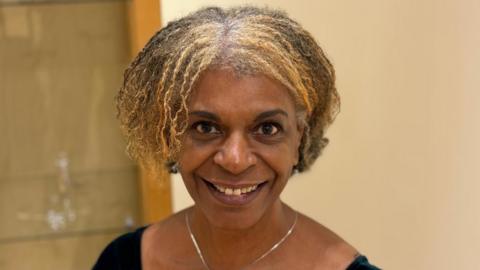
[(326, 248), (172, 226), (165, 242)]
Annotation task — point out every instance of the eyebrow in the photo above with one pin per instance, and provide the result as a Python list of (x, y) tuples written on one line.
[(270, 113), (261, 116), (205, 114)]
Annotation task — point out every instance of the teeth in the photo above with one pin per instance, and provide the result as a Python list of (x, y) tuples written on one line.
[(235, 191)]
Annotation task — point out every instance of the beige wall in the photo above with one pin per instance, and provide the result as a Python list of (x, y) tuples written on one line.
[(400, 179)]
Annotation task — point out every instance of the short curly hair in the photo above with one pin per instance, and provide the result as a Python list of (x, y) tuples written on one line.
[(152, 103)]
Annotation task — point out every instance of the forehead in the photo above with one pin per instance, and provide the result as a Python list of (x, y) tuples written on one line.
[(224, 90)]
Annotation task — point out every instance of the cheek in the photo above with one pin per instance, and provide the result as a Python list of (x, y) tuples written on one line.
[(191, 156), (280, 158), (189, 159)]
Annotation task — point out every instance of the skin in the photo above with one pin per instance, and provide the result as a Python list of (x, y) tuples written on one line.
[(233, 141)]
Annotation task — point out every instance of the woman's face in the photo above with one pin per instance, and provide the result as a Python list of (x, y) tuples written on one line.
[(240, 146)]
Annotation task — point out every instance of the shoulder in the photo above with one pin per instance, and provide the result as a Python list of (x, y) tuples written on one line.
[(122, 253), (332, 252), (328, 250), (361, 263), (152, 245), (161, 235), (166, 244)]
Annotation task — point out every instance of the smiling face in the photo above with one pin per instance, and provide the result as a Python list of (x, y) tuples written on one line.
[(240, 147)]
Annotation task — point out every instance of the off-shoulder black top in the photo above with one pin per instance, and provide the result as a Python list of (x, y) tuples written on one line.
[(124, 254)]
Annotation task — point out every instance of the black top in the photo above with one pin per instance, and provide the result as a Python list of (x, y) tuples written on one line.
[(124, 254)]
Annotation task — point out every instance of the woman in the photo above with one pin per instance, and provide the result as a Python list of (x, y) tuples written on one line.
[(236, 101)]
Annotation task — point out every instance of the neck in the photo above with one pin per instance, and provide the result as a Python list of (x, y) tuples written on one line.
[(225, 248)]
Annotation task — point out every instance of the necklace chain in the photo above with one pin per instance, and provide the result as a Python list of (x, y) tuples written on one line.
[(275, 246)]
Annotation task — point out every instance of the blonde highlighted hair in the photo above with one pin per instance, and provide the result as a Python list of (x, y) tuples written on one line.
[(152, 103)]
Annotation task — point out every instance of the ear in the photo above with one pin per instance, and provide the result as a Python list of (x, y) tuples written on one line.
[(300, 128), (298, 139)]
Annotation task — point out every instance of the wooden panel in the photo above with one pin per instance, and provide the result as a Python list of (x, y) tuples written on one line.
[(66, 253), (60, 66), (58, 77), (144, 21), (155, 193)]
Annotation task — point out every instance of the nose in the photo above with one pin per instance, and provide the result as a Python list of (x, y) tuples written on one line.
[(235, 154)]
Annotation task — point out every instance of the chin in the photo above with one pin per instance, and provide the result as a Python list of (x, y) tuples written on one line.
[(234, 212), (233, 219)]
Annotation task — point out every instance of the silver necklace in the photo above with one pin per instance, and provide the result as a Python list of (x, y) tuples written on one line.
[(275, 246)]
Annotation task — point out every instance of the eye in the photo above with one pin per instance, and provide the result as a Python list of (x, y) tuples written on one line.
[(204, 127), (268, 129)]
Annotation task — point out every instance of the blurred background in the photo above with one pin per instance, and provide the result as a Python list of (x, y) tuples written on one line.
[(400, 179)]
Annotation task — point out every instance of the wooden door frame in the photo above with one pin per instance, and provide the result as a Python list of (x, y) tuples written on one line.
[(154, 186)]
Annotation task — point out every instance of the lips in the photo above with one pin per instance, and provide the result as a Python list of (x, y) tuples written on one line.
[(234, 195), (235, 191)]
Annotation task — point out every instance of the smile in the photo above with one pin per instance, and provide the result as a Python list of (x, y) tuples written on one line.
[(234, 195), (235, 191)]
